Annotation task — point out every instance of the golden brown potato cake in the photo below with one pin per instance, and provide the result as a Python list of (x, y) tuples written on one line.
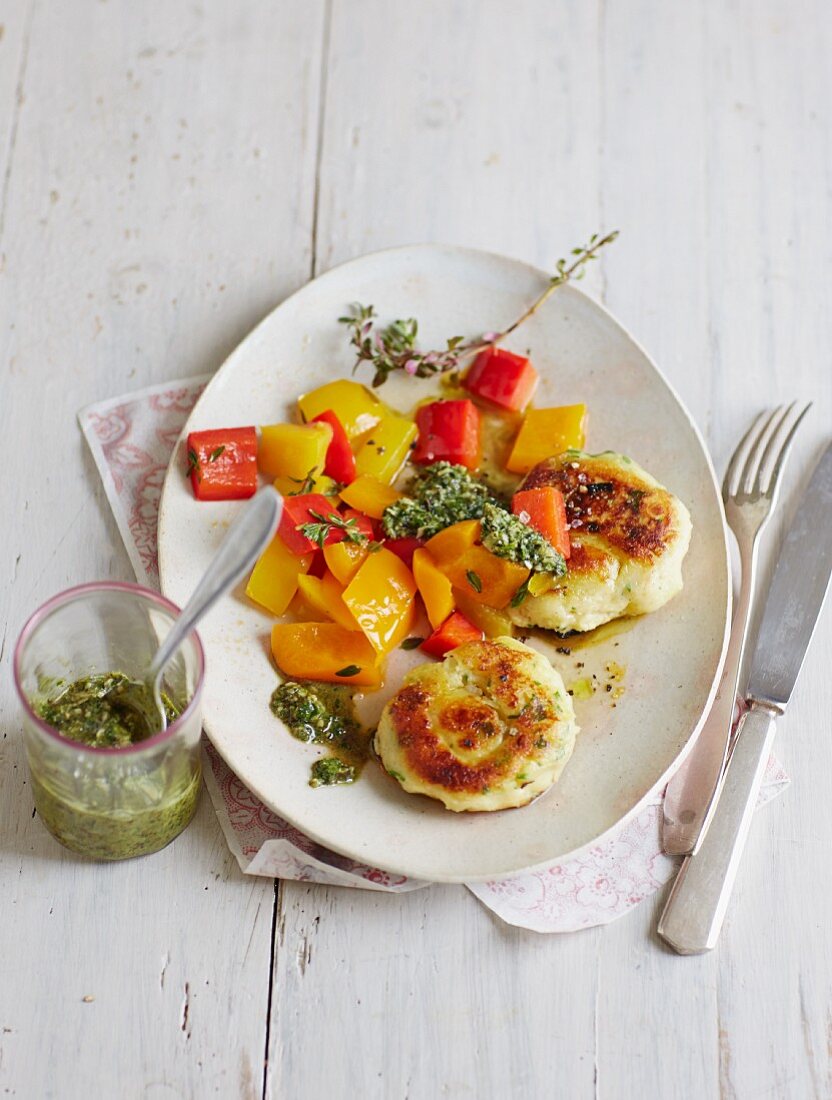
[(489, 727), (629, 536)]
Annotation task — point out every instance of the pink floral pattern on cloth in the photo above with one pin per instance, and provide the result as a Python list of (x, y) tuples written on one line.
[(131, 439)]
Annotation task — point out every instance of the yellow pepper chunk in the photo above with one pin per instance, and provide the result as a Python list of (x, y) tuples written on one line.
[(325, 595), (385, 451), (484, 577), (370, 496), (434, 587), (493, 623), (320, 484), (344, 559), (319, 651), (293, 450), (353, 404), (546, 432), (450, 544), (381, 597), (274, 579), (540, 583)]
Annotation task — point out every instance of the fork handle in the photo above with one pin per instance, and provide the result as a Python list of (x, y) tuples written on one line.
[(695, 909)]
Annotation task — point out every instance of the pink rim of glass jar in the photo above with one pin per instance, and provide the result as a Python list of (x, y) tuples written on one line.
[(67, 596)]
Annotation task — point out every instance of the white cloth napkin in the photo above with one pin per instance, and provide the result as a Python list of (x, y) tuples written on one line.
[(131, 439)]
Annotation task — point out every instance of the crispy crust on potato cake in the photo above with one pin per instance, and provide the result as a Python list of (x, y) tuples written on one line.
[(490, 727), (629, 536)]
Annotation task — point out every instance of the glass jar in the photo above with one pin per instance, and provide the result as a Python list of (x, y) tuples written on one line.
[(110, 803)]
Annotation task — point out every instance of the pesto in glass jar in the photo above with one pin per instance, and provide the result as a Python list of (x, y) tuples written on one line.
[(139, 801)]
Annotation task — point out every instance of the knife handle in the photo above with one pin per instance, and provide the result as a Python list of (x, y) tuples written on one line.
[(695, 909), (691, 795)]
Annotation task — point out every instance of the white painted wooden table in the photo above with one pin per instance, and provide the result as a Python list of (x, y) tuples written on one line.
[(168, 172)]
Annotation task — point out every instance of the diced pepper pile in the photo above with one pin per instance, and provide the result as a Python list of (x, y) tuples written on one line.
[(353, 593)]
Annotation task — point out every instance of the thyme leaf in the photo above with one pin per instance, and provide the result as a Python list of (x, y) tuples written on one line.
[(474, 580), (304, 485), (521, 592), (319, 531), (193, 463)]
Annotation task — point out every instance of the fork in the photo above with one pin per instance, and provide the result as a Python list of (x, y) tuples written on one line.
[(749, 491)]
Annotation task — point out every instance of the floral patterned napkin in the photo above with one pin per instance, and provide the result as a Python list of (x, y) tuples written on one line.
[(131, 439)]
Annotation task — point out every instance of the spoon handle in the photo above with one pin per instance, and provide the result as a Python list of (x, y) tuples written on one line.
[(247, 536)]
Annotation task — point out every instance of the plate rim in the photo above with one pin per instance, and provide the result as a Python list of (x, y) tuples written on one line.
[(532, 269)]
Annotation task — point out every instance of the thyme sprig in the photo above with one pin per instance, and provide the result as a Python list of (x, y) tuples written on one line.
[(304, 484), (319, 531), (393, 348)]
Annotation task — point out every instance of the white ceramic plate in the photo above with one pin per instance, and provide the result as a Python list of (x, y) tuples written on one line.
[(671, 659)]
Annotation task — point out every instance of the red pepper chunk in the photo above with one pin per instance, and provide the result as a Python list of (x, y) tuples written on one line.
[(449, 431), (309, 508), (340, 460), (455, 631), (222, 463), (405, 548), (297, 511), (544, 509), (367, 526), (503, 378)]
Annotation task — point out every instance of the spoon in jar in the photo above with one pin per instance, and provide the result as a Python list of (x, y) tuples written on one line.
[(247, 537)]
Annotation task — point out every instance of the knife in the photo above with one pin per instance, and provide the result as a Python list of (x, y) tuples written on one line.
[(695, 909)]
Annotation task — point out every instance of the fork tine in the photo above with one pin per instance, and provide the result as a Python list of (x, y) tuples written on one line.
[(774, 477), (751, 469), (772, 449), (767, 445), (737, 460)]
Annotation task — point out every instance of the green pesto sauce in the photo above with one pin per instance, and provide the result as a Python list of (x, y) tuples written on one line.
[(509, 537), (107, 710), (440, 495), (115, 807), (325, 715), (122, 833), (443, 494)]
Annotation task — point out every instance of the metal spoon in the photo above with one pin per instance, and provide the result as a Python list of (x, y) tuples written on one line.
[(247, 536)]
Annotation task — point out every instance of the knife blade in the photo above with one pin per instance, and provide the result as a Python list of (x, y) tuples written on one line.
[(695, 909), (798, 590)]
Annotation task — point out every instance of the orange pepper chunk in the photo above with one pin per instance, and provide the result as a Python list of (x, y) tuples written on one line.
[(319, 651), (381, 597), (325, 595), (344, 559), (274, 579), (450, 544), (434, 588), (484, 577), (493, 623)]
